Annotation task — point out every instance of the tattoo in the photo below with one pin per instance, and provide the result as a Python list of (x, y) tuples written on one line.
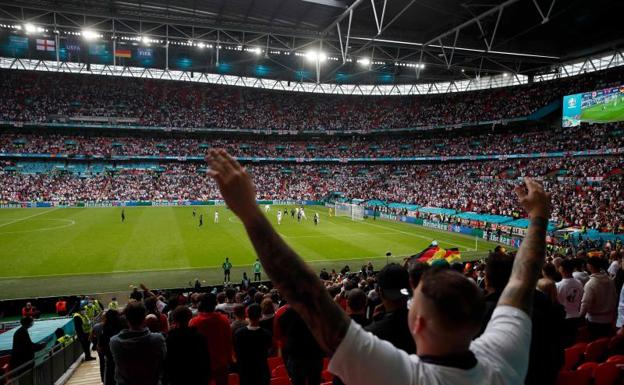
[(303, 290), (527, 265)]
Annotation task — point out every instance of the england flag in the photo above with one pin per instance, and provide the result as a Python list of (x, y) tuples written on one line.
[(45, 45)]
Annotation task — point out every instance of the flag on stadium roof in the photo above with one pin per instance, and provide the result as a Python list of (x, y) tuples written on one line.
[(46, 45)]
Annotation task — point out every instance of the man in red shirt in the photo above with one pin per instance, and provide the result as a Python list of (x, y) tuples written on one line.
[(61, 307), (215, 328), (30, 311)]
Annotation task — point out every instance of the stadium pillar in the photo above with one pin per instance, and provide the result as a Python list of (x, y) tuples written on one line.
[(167, 48)]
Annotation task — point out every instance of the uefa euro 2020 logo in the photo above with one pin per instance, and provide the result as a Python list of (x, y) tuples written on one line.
[(572, 103)]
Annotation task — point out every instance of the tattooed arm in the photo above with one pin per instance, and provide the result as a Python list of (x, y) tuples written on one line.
[(288, 272), (530, 257)]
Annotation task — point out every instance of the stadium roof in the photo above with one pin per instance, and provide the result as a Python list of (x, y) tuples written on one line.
[(350, 41)]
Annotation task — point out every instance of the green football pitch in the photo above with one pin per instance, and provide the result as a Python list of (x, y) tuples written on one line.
[(597, 114), (59, 251)]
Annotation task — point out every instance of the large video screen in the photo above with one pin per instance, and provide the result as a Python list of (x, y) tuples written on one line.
[(601, 106)]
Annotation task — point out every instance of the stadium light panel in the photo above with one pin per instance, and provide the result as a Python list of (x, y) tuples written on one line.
[(256, 50), (31, 28), (313, 56), (88, 34), (364, 61), (201, 45)]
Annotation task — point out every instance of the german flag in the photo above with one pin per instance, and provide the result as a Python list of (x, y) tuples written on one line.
[(123, 53)]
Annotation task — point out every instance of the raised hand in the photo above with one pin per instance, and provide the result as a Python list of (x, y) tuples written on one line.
[(533, 198), (235, 184), (530, 257)]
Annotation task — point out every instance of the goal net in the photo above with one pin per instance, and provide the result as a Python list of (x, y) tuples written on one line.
[(355, 212)]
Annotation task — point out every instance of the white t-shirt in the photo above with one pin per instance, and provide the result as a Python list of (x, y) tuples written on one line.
[(502, 354), (569, 294), (581, 276), (613, 268)]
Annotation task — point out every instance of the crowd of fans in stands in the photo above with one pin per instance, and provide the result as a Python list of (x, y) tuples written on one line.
[(159, 335), (594, 137), (586, 191), (41, 97)]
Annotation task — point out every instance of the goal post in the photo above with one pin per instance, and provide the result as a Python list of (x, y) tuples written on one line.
[(355, 212)]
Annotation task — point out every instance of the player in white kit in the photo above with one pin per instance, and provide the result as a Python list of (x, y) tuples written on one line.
[(303, 216), (216, 219), (279, 217), (267, 208)]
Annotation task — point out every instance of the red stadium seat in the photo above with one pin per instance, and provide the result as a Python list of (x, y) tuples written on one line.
[(274, 362), (233, 379), (573, 356), (279, 371), (606, 374), (618, 359), (591, 366), (596, 350), (280, 381), (327, 376), (574, 377)]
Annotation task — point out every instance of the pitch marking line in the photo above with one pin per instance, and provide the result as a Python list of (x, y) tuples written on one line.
[(28, 217), (416, 235), (69, 223)]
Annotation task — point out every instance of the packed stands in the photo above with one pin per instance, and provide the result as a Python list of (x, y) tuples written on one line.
[(503, 142), (49, 97), (586, 192)]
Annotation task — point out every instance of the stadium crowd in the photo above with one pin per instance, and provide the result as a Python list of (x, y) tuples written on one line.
[(586, 191), (253, 331), (43, 97), (594, 137)]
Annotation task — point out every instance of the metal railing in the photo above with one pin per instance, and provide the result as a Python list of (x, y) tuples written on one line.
[(47, 372)]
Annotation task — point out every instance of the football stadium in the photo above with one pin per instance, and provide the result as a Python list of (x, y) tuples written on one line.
[(307, 192)]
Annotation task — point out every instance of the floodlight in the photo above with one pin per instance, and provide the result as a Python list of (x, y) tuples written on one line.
[(88, 34)]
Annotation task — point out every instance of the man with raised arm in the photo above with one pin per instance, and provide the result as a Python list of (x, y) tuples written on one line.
[(446, 309)]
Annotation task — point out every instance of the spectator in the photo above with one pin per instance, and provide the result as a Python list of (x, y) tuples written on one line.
[(160, 324), (268, 312), (579, 273), (569, 294), (599, 301), (188, 360), (112, 325), (138, 354), (356, 307), (136, 295), (393, 287), (215, 328), (227, 307), (303, 353), (239, 318), (252, 344), (23, 350), (498, 268)]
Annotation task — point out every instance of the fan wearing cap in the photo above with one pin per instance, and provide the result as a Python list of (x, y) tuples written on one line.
[(393, 287)]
